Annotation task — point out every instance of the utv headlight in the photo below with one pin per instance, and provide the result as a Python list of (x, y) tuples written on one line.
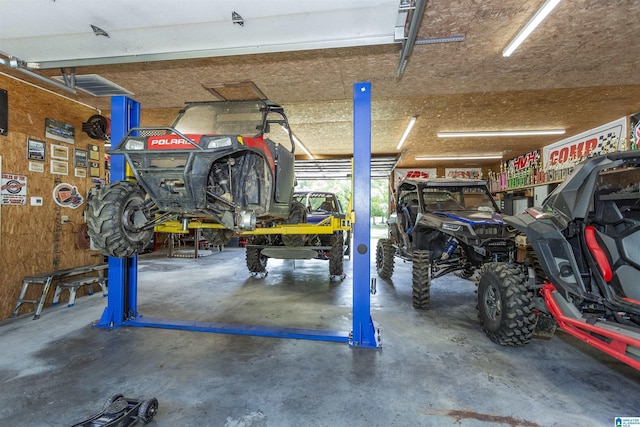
[(134, 144), (451, 227), (219, 143)]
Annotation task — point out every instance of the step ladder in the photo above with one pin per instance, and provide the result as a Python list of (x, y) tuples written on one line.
[(45, 282), (76, 284)]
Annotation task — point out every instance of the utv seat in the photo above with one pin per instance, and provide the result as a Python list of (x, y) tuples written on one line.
[(326, 206), (410, 214), (614, 243), (414, 207)]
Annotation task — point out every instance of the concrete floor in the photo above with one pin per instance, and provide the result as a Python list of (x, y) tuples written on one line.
[(436, 368)]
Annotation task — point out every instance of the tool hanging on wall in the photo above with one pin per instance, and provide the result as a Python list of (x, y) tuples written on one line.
[(97, 127)]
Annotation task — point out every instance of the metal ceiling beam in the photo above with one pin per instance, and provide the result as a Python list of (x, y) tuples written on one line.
[(207, 53), (412, 32), (18, 65), (381, 167)]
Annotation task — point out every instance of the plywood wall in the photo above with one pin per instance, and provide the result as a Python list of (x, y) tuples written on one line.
[(32, 238)]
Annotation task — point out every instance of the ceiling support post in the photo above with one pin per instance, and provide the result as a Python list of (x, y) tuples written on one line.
[(412, 32), (70, 77), (18, 65)]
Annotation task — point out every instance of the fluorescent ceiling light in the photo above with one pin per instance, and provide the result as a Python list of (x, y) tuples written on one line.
[(489, 156), (540, 15), (406, 132), (501, 133), (298, 142)]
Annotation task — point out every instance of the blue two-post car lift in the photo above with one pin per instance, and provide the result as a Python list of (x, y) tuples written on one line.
[(122, 301)]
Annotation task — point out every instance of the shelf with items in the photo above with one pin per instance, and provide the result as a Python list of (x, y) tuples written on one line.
[(510, 179), (525, 187)]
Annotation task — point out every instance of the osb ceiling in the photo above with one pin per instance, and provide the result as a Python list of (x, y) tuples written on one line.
[(576, 71)]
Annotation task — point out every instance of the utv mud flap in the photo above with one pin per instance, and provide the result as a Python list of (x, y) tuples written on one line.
[(616, 341)]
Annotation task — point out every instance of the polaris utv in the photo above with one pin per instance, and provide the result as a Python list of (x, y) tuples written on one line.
[(585, 241), (443, 225), (218, 164)]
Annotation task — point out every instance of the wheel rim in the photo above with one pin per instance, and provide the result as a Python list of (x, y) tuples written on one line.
[(492, 303), (132, 217), (153, 408)]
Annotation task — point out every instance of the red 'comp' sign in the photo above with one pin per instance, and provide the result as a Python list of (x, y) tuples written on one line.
[(603, 139)]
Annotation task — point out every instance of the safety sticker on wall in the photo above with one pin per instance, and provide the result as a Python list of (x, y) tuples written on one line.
[(14, 189), (67, 196)]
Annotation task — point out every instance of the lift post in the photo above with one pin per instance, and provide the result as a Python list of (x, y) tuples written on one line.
[(363, 334), (123, 272)]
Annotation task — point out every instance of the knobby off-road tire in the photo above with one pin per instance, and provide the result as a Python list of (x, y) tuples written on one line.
[(336, 257), (113, 219), (256, 262), (505, 305), (533, 262), (421, 288), (347, 251), (384, 258), (217, 237), (297, 215)]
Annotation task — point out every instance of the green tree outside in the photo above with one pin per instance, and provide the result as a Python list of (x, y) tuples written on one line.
[(342, 188)]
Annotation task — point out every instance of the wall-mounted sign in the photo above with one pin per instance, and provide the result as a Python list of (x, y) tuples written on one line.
[(401, 173), (601, 140), (80, 158), (59, 152), (467, 173), (36, 149), (36, 167), (67, 196), (94, 152), (13, 189), (59, 131), (528, 160), (59, 168), (94, 169)]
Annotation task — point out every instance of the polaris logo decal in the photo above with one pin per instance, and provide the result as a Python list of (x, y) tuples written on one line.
[(172, 142)]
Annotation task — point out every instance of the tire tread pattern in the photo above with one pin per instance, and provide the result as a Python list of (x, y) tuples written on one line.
[(421, 272), (336, 257), (256, 263), (297, 215), (518, 319), (104, 220), (384, 258)]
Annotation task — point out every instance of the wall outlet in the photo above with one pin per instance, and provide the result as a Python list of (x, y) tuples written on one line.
[(64, 219)]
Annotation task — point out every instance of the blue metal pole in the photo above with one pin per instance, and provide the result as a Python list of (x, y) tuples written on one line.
[(363, 334), (123, 283)]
